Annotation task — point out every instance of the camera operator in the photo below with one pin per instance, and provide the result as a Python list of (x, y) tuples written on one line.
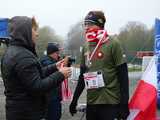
[(26, 82), (54, 97)]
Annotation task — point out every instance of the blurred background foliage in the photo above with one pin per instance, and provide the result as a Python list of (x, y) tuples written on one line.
[(134, 36)]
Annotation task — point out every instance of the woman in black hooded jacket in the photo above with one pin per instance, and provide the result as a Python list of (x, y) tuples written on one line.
[(25, 81)]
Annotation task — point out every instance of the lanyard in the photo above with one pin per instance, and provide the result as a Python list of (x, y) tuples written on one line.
[(97, 46)]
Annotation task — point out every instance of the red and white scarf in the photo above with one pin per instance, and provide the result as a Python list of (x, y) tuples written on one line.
[(97, 37)]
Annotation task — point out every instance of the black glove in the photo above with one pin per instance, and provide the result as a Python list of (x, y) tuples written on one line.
[(79, 88), (72, 108), (83, 69), (123, 112), (124, 91)]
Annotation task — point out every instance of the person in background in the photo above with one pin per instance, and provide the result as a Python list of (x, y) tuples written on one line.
[(54, 97), (26, 81), (104, 73)]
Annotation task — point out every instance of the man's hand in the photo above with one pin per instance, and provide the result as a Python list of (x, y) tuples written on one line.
[(59, 64), (66, 71), (72, 108)]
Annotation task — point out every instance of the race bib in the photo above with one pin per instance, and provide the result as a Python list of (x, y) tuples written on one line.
[(94, 80), (100, 79)]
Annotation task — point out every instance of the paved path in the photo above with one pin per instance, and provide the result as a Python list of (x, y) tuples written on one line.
[(2, 101)]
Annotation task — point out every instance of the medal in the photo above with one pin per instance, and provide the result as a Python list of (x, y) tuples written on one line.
[(100, 54)]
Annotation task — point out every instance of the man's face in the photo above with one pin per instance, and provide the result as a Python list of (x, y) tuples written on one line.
[(90, 26), (55, 55), (34, 34)]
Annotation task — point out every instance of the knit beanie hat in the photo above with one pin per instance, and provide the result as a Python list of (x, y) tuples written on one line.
[(95, 17), (51, 48)]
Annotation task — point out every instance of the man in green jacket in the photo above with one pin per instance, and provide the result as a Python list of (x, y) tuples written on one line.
[(104, 73)]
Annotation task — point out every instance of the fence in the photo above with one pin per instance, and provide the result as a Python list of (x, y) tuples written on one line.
[(75, 73)]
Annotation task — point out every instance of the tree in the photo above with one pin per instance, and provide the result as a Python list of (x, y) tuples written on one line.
[(75, 39), (136, 37), (46, 34)]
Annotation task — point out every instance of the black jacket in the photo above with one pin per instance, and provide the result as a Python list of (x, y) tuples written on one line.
[(56, 93), (26, 82)]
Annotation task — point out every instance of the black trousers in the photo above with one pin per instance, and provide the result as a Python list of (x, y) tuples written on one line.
[(102, 112)]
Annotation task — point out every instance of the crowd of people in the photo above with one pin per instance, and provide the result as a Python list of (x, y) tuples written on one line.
[(33, 85)]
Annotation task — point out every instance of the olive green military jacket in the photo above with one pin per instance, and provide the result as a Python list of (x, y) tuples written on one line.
[(111, 56)]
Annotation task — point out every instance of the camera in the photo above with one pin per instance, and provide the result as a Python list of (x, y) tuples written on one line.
[(71, 60)]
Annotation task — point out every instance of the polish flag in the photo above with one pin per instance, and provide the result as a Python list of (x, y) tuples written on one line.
[(143, 103)]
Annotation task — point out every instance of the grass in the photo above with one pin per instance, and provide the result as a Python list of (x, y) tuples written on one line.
[(134, 69)]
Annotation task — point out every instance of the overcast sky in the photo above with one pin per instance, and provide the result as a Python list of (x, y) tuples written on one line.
[(62, 14)]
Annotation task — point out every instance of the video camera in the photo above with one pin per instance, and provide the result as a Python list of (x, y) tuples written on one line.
[(4, 34), (71, 60)]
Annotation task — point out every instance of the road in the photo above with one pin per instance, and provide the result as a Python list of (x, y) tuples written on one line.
[(2, 101)]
